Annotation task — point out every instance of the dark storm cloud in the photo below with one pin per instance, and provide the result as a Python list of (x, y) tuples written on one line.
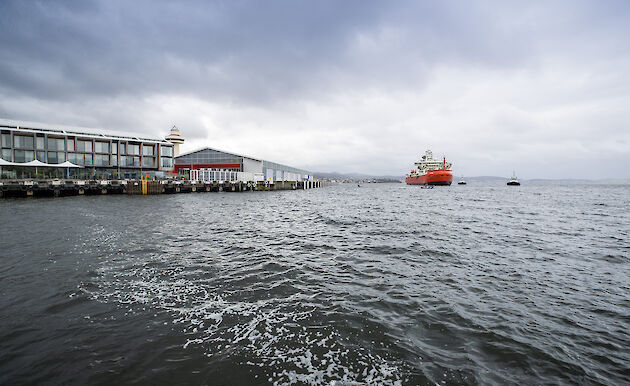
[(252, 51), (61, 50)]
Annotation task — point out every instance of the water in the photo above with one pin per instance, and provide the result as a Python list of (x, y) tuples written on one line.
[(382, 284)]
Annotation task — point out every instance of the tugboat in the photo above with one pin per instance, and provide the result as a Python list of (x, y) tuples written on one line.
[(430, 171), (513, 181)]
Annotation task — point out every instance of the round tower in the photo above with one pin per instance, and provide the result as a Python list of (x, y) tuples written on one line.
[(175, 139)]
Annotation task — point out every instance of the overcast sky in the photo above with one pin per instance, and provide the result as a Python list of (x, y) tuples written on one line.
[(542, 88)]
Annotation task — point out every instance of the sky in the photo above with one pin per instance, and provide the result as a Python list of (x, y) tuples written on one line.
[(537, 87)]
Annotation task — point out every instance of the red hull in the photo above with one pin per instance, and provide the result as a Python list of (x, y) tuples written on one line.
[(432, 177)]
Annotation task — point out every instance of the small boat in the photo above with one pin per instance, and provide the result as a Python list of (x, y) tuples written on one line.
[(461, 181), (513, 181), (426, 187)]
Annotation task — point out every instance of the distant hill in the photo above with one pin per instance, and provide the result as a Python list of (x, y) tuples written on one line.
[(352, 176), (478, 179)]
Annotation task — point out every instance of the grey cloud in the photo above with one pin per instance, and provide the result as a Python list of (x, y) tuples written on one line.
[(251, 51), (105, 63)]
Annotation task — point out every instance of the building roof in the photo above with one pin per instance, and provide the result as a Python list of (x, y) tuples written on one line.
[(265, 163), (76, 130), (222, 151)]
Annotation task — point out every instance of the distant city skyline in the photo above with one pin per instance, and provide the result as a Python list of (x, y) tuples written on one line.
[(541, 88)]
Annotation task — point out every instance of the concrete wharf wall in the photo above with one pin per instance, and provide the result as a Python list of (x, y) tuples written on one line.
[(59, 188)]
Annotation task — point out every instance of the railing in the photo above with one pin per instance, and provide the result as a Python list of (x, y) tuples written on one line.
[(206, 175), (212, 175)]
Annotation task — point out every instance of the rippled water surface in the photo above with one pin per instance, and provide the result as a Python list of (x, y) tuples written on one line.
[(382, 284)]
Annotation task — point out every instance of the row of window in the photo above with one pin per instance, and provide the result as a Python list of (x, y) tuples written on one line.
[(82, 146), (84, 159)]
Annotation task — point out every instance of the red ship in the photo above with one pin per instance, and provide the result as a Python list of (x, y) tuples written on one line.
[(430, 171)]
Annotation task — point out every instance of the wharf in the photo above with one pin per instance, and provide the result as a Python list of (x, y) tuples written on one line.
[(70, 187)]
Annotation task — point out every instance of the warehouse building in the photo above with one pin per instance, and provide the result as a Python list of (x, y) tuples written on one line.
[(30, 149), (208, 164)]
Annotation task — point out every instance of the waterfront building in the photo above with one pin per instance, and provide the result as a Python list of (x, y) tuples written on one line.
[(98, 153), (37, 150), (208, 164)]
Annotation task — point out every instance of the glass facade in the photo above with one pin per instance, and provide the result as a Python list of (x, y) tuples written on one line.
[(108, 154), (166, 151), (101, 147), (148, 162), (56, 144), (6, 140), (101, 160), (133, 149), (22, 142), (23, 155), (56, 157), (84, 146)]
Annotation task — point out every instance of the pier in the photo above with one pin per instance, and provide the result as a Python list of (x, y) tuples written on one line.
[(71, 187)]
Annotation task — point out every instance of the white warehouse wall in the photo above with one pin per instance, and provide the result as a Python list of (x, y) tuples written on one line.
[(252, 166)]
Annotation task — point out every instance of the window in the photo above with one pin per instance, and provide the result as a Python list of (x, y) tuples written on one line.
[(41, 156), (88, 160), (70, 143), (101, 160), (167, 162), (55, 144), (84, 146), (130, 161), (57, 157), (147, 150), (6, 154), (114, 148), (23, 155), (75, 158), (148, 162), (39, 143), (6, 140), (122, 148), (167, 151), (114, 160), (133, 149), (22, 142), (101, 147)]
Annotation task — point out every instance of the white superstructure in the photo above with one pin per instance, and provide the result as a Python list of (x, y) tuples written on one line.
[(427, 162)]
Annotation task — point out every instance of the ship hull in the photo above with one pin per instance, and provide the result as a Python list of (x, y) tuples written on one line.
[(432, 177)]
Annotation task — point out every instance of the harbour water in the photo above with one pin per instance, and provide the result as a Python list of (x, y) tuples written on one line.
[(379, 284)]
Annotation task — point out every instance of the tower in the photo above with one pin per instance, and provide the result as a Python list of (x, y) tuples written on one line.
[(175, 139)]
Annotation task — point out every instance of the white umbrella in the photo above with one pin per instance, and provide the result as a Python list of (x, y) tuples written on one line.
[(35, 163), (68, 165)]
